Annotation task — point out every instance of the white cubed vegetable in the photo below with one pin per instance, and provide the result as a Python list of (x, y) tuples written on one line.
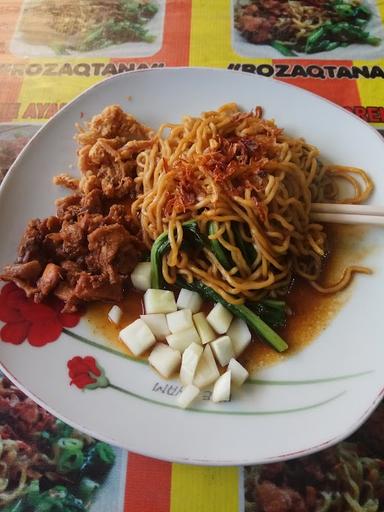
[(182, 339), (165, 359), (157, 322), (206, 371), (222, 348), (189, 362), (222, 388), (137, 336), (238, 373), (187, 396), (220, 318), (180, 320), (141, 276), (205, 331), (159, 301), (188, 299), (240, 335), (115, 314)]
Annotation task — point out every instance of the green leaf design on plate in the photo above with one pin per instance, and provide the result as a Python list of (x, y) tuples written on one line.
[(231, 413), (102, 347), (324, 380), (260, 382)]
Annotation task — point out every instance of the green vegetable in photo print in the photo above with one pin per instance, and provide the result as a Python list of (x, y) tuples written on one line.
[(304, 26), (86, 26), (46, 465)]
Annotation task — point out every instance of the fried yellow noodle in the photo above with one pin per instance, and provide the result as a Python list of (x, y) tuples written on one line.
[(305, 19), (255, 185)]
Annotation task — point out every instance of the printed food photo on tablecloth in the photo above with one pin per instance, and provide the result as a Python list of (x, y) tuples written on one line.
[(129, 28), (336, 29), (12, 140), (47, 465), (345, 477), (52, 50)]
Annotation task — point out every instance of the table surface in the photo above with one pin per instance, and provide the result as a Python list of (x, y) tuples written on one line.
[(48, 55)]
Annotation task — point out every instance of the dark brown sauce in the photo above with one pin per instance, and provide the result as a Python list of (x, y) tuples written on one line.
[(311, 311)]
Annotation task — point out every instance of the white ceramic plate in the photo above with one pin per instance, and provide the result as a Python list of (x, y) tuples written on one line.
[(305, 403)]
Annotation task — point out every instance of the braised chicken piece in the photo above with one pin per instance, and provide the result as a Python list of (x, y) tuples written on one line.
[(87, 251)]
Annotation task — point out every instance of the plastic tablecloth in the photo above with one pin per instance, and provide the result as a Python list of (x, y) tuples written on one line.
[(51, 50)]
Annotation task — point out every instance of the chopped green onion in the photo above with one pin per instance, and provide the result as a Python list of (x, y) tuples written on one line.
[(69, 443), (70, 460), (105, 452), (86, 489), (98, 460)]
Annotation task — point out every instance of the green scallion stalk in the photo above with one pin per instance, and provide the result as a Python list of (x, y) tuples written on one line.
[(255, 323), (193, 236), (216, 248), (161, 246)]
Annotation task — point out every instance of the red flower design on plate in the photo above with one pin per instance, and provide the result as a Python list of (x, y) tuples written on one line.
[(25, 320), (84, 372)]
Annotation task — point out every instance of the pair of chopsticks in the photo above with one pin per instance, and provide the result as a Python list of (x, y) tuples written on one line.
[(347, 213)]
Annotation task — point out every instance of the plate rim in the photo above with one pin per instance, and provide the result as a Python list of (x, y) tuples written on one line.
[(202, 462), (78, 97)]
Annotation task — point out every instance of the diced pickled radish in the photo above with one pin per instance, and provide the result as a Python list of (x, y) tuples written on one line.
[(188, 299), (137, 336), (240, 335), (188, 395), (222, 348), (238, 373), (165, 359), (180, 320), (189, 362), (157, 322), (220, 318), (222, 388), (159, 301), (141, 276), (206, 371), (182, 339), (115, 314), (205, 331)]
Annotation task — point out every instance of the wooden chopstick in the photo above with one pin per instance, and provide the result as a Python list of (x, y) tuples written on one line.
[(361, 209), (347, 213), (346, 218)]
